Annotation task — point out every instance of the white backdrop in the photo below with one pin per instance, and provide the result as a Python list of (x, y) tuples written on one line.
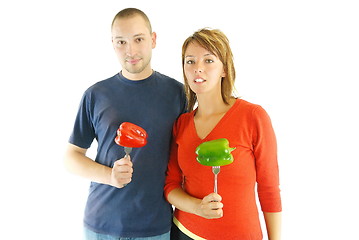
[(298, 59)]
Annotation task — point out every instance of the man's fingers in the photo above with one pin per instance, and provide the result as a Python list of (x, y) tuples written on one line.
[(123, 162)]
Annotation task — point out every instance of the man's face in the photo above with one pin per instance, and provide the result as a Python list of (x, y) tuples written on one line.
[(133, 44)]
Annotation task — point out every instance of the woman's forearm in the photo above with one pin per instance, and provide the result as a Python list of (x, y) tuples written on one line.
[(273, 223), (209, 207), (182, 201)]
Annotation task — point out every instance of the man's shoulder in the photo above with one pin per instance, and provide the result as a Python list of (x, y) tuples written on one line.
[(104, 83), (168, 79)]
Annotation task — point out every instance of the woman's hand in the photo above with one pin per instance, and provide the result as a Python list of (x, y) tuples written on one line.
[(210, 207)]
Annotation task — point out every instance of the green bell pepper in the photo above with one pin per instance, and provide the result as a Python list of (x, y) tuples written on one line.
[(215, 153)]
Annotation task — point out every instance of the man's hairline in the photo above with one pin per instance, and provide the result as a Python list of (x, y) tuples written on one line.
[(148, 25)]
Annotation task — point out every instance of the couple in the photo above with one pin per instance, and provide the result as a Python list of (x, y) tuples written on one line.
[(130, 198)]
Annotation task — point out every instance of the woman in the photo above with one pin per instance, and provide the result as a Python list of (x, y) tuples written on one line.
[(200, 213)]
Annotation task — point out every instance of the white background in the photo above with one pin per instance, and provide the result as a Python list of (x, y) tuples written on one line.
[(298, 59)]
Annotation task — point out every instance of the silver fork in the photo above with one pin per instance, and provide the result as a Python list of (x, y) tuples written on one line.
[(127, 151), (215, 170)]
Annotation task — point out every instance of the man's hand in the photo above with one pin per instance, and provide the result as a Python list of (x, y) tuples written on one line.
[(121, 173)]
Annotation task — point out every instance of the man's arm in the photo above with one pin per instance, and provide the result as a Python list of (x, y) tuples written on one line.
[(79, 164)]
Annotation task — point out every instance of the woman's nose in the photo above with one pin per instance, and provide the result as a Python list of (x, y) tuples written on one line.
[(198, 68)]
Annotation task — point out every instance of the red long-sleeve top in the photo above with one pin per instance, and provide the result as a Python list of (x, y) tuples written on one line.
[(248, 128)]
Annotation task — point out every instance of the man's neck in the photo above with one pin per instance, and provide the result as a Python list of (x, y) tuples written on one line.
[(137, 76)]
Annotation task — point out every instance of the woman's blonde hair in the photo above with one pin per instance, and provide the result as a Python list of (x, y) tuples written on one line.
[(216, 42)]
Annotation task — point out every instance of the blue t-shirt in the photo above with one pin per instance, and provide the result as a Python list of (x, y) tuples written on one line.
[(139, 209)]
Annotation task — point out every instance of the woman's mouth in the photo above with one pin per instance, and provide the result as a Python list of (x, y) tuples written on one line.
[(199, 80)]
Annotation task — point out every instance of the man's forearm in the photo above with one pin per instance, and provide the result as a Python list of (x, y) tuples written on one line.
[(79, 164)]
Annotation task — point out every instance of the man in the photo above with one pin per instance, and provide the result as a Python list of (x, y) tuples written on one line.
[(126, 194)]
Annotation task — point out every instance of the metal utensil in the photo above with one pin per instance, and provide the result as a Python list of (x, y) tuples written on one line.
[(215, 170), (127, 151)]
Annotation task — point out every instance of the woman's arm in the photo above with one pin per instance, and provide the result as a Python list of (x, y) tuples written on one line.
[(273, 224), (265, 152), (209, 207)]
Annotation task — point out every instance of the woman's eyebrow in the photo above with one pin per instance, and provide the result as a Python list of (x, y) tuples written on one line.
[(205, 55)]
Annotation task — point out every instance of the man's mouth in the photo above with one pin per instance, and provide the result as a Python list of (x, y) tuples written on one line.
[(133, 61)]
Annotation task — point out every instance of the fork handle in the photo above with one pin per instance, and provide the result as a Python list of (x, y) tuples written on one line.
[(215, 183), (127, 151)]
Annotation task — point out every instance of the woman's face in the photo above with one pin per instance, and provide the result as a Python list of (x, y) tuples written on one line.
[(203, 70)]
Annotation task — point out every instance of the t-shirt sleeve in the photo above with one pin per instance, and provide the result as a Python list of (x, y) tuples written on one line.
[(184, 102), (265, 153), (83, 132), (174, 173)]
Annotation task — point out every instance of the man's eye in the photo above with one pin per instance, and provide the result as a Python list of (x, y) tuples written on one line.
[(189, 61), (121, 42), (139, 39)]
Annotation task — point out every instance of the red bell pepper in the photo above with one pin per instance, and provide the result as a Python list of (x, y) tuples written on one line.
[(131, 135)]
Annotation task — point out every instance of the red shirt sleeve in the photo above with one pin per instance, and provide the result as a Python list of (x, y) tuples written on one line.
[(265, 153), (174, 174)]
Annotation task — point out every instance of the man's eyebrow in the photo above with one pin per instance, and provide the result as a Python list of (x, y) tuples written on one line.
[(134, 36), (138, 35)]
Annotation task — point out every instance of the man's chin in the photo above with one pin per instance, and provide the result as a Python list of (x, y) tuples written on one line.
[(134, 69)]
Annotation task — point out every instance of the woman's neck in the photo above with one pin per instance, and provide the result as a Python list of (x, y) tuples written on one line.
[(209, 105)]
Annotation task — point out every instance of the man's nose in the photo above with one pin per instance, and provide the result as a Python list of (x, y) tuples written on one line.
[(130, 50)]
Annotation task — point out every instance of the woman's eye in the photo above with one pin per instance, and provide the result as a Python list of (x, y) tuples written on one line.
[(121, 42), (189, 61), (209, 61)]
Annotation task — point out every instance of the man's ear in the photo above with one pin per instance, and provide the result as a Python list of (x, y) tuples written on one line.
[(154, 38), (112, 43)]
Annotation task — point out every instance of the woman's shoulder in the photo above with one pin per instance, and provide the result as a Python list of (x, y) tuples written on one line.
[(246, 106), (183, 121), (249, 110), (185, 117)]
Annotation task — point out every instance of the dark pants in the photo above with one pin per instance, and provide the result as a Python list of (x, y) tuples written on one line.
[(176, 234)]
